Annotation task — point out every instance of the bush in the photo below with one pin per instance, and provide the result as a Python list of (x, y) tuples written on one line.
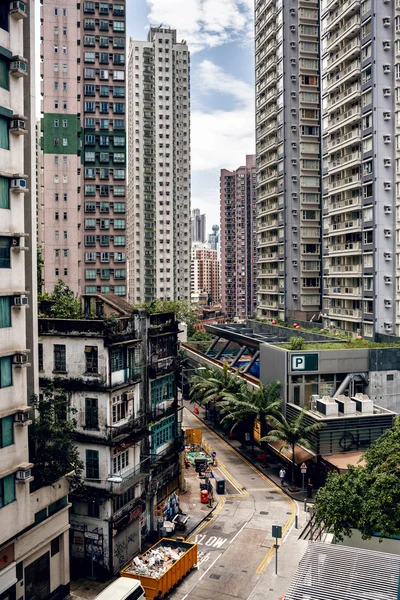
[(296, 343)]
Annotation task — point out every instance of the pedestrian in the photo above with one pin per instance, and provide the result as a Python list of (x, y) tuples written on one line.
[(159, 595), (282, 475)]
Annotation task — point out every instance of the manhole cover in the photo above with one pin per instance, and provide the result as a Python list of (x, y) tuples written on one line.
[(243, 571), (289, 513), (273, 492), (214, 576), (228, 501), (264, 512), (217, 527)]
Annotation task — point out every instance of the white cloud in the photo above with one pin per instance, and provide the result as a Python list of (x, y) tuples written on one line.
[(205, 23), (222, 138)]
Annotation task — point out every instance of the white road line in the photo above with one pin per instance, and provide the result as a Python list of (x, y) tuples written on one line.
[(293, 524), (212, 564), (241, 529)]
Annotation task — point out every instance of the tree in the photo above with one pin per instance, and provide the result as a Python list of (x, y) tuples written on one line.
[(261, 405), (64, 305), (366, 497), (39, 268), (200, 336), (209, 385), (54, 452), (292, 433), (181, 309)]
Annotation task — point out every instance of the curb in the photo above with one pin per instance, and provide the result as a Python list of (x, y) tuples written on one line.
[(284, 490), (190, 532)]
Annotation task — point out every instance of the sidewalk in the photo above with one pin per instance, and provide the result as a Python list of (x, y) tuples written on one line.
[(271, 471)]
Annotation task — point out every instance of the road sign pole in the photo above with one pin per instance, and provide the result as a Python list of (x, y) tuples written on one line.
[(302, 483), (276, 556)]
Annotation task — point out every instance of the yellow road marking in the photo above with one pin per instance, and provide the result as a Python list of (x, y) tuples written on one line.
[(221, 503), (290, 520)]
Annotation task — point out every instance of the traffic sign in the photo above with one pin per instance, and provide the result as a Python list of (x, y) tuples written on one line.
[(276, 531), (303, 468), (213, 454)]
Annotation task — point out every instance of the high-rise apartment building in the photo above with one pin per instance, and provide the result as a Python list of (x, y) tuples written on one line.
[(198, 226), (34, 520), (159, 167), (288, 158), (213, 238), (205, 273), (84, 145), (360, 97), (238, 240)]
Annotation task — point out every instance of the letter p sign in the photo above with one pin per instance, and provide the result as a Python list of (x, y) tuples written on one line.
[(298, 362)]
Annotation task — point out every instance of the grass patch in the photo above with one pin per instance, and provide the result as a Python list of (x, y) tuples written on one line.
[(350, 344)]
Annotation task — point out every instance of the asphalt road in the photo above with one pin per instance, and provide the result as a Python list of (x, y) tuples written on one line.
[(236, 548)]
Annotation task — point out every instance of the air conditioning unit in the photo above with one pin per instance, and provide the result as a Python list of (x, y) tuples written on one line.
[(387, 256), (387, 162), (386, 68), (295, 280), (292, 28), (386, 45), (18, 9), (293, 78), (18, 125), (294, 296), (294, 162), (18, 185), (387, 209), (386, 92), (20, 300), (294, 212), (293, 62), (387, 185), (293, 128), (386, 116), (18, 66), (15, 242), (386, 139), (293, 45), (20, 359), (23, 475), (386, 21), (294, 145), (295, 246), (22, 418), (294, 178), (294, 263), (387, 279), (292, 11), (294, 229), (294, 196), (293, 111), (387, 233), (388, 303), (388, 326)]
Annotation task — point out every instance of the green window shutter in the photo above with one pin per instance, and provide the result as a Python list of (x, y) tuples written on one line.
[(9, 489), (5, 311), (4, 73), (4, 192), (5, 371), (4, 135), (7, 431)]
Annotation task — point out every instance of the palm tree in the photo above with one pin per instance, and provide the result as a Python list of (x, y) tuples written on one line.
[(261, 404), (293, 433), (209, 386)]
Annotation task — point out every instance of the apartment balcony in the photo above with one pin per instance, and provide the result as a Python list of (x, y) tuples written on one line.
[(268, 161), (340, 78), (268, 257), (343, 184), (348, 225), (344, 291), (268, 288), (347, 95), (119, 482), (266, 225), (344, 10), (346, 313), (267, 241), (343, 140), (268, 273), (266, 83), (347, 248), (346, 118), (266, 177), (348, 161), (353, 269), (349, 29), (163, 367), (265, 302)]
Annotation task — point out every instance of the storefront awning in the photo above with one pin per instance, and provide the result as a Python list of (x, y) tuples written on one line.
[(300, 454), (342, 460)]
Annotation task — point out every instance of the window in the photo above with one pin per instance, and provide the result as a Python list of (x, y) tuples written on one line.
[(91, 354), (4, 73), (5, 254), (7, 490), (120, 460), (6, 431), (40, 356), (55, 546), (92, 464), (119, 223), (4, 192), (118, 360), (119, 26), (60, 363), (6, 371), (4, 135), (162, 432), (91, 413), (90, 274), (119, 408), (5, 311)]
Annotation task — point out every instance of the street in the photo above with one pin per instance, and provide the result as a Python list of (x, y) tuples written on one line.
[(236, 550)]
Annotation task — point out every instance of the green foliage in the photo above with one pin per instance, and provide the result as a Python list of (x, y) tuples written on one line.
[(64, 304), (292, 433), (210, 384), (181, 309), (296, 343), (39, 268), (366, 497), (55, 453), (200, 336)]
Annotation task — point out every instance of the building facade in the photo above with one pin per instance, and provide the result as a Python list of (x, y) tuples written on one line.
[(197, 226), (205, 273), (119, 371), (238, 240), (360, 95), (213, 238), (34, 558), (288, 158), (84, 145), (159, 168)]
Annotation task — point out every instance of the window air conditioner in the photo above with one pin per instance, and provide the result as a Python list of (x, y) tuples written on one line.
[(22, 475), (20, 300)]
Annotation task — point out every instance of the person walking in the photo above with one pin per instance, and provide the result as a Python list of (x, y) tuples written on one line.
[(159, 596), (282, 475)]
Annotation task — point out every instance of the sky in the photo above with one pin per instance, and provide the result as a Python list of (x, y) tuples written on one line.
[(220, 37)]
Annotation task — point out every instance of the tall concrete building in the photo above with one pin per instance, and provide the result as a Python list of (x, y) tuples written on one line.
[(238, 240), (34, 520), (361, 168), (159, 167), (198, 226), (205, 273), (288, 158), (84, 146), (214, 238)]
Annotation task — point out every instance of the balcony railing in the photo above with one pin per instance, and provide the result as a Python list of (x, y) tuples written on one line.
[(123, 480), (163, 366)]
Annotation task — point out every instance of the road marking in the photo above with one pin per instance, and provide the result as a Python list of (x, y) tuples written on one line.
[(289, 522), (216, 512), (236, 534), (232, 481), (212, 564), (213, 541)]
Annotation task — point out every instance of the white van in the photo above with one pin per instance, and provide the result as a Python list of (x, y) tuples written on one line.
[(123, 588)]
